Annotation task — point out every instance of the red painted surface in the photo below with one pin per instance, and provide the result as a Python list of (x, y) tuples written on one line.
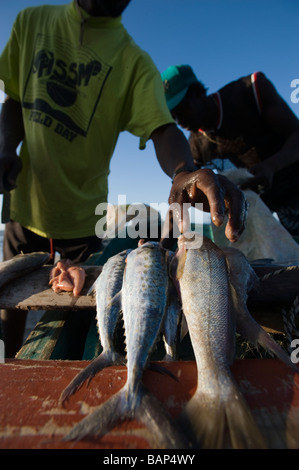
[(30, 416)]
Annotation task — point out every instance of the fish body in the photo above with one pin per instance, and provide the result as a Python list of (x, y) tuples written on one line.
[(207, 305), (144, 299), (242, 279), (171, 322), (107, 288), (20, 265)]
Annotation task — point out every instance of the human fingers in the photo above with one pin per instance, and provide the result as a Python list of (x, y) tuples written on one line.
[(176, 222), (236, 205), (207, 183), (77, 276)]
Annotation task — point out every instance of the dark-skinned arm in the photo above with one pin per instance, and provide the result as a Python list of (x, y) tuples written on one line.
[(217, 194), (11, 134), (281, 121)]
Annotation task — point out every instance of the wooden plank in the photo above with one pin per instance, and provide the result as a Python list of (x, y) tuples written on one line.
[(42, 340), (31, 417), (32, 292), (59, 334)]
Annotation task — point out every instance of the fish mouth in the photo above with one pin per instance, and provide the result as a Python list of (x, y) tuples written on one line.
[(190, 240)]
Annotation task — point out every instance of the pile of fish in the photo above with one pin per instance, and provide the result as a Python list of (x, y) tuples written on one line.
[(211, 288)]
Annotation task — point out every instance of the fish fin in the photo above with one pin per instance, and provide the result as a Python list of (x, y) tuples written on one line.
[(92, 290), (202, 425), (243, 430), (215, 423), (147, 409), (157, 420), (115, 301), (253, 332), (101, 420), (105, 359), (184, 327)]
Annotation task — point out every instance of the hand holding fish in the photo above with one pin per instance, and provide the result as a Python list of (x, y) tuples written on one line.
[(217, 194)]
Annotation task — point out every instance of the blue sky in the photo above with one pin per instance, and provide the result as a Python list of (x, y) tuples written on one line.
[(221, 39)]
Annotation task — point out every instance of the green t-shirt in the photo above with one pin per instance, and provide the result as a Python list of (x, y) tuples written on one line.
[(76, 96)]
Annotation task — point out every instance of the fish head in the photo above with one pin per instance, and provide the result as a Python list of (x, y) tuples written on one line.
[(187, 241)]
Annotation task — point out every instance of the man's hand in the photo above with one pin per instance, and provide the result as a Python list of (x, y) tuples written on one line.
[(10, 167), (218, 195)]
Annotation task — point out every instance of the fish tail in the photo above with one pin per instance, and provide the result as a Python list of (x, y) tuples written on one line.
[(101, 420), (203, 425), (243, 430), (146, 409), (161, 425), (218, 422), (252, 331), (105, 359)]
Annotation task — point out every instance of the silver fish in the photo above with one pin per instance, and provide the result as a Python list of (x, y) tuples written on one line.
[(242, 279), (20, 265), (144, 296), (107, 290), (171, 319), (217, 402)]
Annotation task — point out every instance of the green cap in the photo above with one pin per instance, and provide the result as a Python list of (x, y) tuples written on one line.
[(176, 81)]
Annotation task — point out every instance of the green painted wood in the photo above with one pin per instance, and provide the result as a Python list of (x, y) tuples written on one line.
[(92, 347), (71, 341), (42, 340)]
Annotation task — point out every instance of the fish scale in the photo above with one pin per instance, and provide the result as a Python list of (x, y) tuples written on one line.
[(143, 304), (20, 265), (211, 330), (107, 288), (144, 300), (207, 305)]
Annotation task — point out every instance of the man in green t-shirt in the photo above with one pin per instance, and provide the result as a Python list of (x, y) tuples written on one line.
[(75, 79)]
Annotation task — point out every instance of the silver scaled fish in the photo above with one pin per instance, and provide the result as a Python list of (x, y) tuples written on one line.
[(107, 289), (242, 279), (20, 265), (144, 300), (172, 318), (217, 405)]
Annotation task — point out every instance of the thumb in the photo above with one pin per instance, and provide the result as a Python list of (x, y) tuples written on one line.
[(181, 217)]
